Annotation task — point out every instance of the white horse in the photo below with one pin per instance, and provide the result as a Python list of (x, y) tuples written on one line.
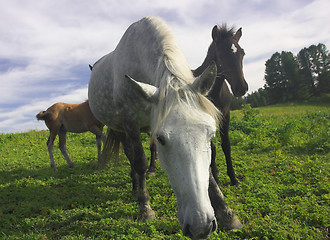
[(166, 99)]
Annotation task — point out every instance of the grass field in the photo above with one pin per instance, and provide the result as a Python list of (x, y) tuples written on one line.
[(281, 154)]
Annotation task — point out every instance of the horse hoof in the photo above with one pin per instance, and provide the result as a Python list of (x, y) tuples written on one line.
[(231, 222), (235, 224), (53, 167), (237, 184), (147, 215), (151, 173)]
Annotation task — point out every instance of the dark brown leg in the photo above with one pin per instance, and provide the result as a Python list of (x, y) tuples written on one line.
[(153, 156), (225, 144), (225, 216), (139, 164), (214, 168)]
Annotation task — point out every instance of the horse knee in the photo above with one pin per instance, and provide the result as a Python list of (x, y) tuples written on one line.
[(141, 166), (50, 145), (62, 148)]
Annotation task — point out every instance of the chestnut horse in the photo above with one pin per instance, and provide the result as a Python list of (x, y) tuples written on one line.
[(228, 55), (61, 118)]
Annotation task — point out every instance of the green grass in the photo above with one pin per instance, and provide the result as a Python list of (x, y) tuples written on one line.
[(280, 152)]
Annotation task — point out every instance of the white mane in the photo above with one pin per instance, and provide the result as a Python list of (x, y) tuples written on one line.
[(173, 79)]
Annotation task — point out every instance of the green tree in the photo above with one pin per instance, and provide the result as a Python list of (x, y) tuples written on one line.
[(297, 87), (314, 64), (306, 68), (284, 82), (323, 68), (275, 80)]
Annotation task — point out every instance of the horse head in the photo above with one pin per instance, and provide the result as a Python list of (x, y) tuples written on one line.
[(229, 57), (183, 143)]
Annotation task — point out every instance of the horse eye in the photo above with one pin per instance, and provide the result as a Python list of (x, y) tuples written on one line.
[(161, 140)]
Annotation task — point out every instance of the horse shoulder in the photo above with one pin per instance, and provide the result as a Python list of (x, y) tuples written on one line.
[(224, 98), (55, 110)]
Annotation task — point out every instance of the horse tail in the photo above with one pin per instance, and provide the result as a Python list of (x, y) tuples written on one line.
[(110, 148), (43, 116)]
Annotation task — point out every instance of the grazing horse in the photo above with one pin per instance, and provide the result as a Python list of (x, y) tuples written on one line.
[(61, 118), (228, 55), (167, 99)]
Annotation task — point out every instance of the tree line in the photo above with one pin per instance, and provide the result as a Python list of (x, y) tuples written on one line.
[(292, 78)]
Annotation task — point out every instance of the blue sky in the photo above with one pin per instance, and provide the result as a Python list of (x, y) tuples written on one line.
[(46, 46)]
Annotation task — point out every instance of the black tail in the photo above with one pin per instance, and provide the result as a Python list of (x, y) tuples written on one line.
[(110, 148), (42, 116)]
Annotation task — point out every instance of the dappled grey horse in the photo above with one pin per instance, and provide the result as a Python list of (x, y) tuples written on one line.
[(146, 84)]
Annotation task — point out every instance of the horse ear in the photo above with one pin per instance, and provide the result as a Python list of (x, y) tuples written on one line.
[(204, 82), (215, 33), (238, 34), (149, 92)]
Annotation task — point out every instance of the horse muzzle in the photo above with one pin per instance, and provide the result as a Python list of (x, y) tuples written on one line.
[(201, 232), (240, 90)]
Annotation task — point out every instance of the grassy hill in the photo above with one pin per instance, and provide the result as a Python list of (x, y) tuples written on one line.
[(281, 154)]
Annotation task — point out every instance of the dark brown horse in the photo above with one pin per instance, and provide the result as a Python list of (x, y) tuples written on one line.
[(228, 55)]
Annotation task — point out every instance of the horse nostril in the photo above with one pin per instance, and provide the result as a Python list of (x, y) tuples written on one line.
[(203, 233)]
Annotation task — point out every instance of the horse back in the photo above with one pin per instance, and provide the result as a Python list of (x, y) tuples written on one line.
[(136, 55), (78, 117)]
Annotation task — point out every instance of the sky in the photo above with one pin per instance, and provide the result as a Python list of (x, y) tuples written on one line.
[(46, 46)]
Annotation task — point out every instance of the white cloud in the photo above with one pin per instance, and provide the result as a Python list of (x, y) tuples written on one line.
[(23, 118), (45, 42)]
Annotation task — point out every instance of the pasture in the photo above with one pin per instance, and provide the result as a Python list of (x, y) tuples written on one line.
[(280, 155)]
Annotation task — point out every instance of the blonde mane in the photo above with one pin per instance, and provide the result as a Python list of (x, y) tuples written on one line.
[(174, 79)]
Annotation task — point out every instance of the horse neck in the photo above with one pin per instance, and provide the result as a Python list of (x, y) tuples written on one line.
[(216, 88), (207, 61)]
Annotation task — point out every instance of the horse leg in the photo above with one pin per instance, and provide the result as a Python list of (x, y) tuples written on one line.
[(225, 144), (139, 164), (100, 137), (214, 168), (225, 216), (62, 145), (50, 145), (153, 156), (98, 146)]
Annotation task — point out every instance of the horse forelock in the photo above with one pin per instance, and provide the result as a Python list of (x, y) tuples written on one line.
[(189, 103), (176, 91), (225, 32)]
